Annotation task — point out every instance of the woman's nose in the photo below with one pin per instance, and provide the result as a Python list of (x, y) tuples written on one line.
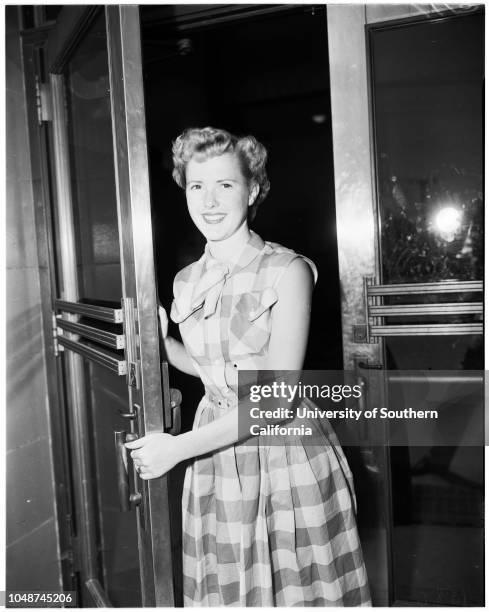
[(210, 199)]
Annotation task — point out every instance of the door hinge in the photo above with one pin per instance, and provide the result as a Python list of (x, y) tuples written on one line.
[(360, 334), (130, 331), (133, 374), (76, 557), (57, 348), (43, 101), (71, 555)]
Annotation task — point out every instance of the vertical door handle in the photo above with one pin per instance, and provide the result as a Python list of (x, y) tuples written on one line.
[(368, 454), (126, 498), (122, 471), (176, 416), (362, 406)]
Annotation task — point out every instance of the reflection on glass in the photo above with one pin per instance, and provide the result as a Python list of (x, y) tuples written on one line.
[(428, 106), (427, 79)]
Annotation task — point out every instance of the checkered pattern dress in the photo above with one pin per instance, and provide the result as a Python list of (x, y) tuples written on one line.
[(263, 525)]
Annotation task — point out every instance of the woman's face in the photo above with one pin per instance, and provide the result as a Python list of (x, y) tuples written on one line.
[(218, 195)]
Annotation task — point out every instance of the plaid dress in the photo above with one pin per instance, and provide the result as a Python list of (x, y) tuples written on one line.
[(263, 525)]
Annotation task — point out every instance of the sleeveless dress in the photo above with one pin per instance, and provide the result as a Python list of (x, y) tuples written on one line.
[(263, 525)]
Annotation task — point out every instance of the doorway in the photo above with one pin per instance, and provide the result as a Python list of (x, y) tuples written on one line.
[(268, 76)]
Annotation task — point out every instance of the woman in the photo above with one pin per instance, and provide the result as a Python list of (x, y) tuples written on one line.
[(263, 525)]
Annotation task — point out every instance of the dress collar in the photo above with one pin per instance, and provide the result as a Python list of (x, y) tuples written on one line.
[(241, 258)]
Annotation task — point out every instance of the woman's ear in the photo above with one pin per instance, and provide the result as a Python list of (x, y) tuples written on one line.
[(254, 189)]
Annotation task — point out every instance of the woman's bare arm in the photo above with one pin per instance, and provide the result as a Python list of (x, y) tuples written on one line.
[(291, 317), (175, 351), (178, 356)]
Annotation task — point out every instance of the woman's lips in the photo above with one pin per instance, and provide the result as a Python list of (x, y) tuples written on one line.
[(213, 218)]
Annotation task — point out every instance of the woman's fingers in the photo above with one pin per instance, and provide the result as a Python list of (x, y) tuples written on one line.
[(139, 443), (154, 454), (163, 321)]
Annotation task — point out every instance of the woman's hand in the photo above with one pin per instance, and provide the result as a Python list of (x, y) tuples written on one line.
[(155, 454), (163, 321)]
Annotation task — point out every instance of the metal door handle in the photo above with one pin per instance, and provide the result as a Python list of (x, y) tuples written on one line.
[(127, 415), (102, 313), (362, 406), (126, 498), (176, 416), (102, 357), (370, 366), (368, 454)]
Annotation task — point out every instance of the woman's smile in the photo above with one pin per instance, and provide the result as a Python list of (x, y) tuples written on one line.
[(213, 218)]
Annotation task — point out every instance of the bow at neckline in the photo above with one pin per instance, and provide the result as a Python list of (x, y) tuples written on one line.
[(210, 275), (208, 289)]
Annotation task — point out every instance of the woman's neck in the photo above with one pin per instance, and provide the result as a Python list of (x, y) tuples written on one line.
[(225, 250)]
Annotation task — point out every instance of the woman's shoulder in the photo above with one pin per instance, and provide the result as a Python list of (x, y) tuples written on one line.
[(190, 273), (183, 290), (279, 258)]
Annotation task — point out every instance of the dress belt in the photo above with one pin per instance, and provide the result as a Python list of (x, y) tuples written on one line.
[(219, 400)]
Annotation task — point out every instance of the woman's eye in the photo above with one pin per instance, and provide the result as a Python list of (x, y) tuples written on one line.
[(226, 185), (194, 187)]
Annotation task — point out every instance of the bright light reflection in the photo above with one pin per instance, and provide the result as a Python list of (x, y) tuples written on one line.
[(448, 221)]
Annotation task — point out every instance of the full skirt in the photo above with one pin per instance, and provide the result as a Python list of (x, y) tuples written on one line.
[(271, 525)]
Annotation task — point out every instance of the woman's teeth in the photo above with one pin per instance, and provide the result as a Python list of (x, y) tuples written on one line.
[(213, 218)]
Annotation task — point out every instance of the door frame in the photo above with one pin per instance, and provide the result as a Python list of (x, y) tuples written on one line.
[(33, 46), (132, 185), (358, 254), (138, 272)]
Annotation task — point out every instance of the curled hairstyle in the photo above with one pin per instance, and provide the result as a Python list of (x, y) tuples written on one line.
[(203, 143)]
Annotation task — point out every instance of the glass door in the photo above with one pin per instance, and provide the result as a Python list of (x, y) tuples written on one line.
[(106, 306), (407, 136), (428, 117)]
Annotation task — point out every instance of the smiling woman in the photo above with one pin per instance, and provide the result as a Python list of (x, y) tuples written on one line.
[(263, 525), (236, 162)]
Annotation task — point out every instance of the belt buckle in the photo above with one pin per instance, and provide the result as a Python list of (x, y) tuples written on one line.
[(220, 401)]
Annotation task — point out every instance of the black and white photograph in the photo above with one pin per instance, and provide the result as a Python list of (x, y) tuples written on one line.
[(244, 278)]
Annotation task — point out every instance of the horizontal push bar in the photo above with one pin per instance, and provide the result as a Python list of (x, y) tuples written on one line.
[(392, 310), (102, 313), (435, 329), (425, 288), (115, 341), (112, 362)]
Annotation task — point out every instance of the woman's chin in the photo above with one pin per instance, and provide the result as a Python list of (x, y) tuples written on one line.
[(215, 233)]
